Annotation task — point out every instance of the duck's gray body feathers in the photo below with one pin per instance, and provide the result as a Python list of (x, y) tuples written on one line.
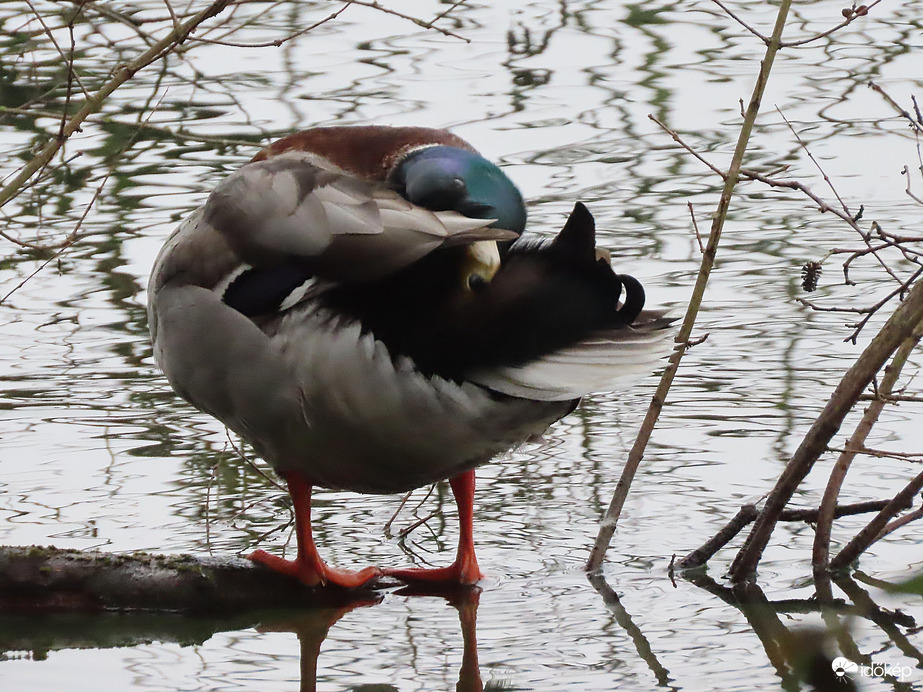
[(308, 389), (313, 389)]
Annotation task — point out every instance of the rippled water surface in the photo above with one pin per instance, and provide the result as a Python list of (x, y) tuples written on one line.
[(97, 453)]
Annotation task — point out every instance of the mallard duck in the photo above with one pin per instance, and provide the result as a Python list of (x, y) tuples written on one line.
[(357, 303)]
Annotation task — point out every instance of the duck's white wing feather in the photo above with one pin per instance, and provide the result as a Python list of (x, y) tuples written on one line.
[(298, 206), (608, 361)]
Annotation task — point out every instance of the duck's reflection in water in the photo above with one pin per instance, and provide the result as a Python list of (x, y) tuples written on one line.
[(312, 626)]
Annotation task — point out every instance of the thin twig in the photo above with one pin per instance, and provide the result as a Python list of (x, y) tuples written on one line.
[(96, 100), (761, 37), (403, 533), (899, 326), (893, 398), (610, 521), (72, 237), (695, 226), (873, 530), (679, 140), (914, 122), (275, 43), (208, 502), (900, 522), (816, 164), (446, 12), (249, 462), (851, 16), (68, 60), (878, 453), (387, 527), (374, 4), (407, 530)]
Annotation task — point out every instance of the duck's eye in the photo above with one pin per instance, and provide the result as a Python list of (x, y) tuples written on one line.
[(476, 282)]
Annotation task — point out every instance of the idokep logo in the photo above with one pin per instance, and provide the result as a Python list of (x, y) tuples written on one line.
[(843, 667)]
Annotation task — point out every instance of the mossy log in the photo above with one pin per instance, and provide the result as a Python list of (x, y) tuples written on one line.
[(47, 579)]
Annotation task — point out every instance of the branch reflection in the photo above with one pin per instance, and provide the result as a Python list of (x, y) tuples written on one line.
[(798, 653)]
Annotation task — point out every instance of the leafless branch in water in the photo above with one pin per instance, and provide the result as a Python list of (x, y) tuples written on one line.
[(875, 243)]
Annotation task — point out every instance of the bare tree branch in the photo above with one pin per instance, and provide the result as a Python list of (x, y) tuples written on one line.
[(95, 101), (875, 529), (610, 521), (899, 327)]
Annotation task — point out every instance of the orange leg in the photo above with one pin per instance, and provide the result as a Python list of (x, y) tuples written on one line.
[(465, 568), (307, 566)]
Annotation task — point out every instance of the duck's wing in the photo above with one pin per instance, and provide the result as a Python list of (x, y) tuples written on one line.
[(297, 207), (605, 361)]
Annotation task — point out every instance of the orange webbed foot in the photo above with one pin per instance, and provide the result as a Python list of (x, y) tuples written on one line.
[(314, 574), (459, 573)]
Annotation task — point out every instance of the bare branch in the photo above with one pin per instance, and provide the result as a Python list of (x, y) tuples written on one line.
[(821, 550), (275, 42), (695, 226), (915, 123), (900, 522), (873, 531), (878, 453), (748, 513), (727, 11), (679, 140), (610, 521), (67, 58), (95, 101), (850, 15), (374, 4), (899, 326), (816, 164)]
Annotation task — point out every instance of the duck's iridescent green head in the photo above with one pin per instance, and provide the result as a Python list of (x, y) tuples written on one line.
[(444, 178)]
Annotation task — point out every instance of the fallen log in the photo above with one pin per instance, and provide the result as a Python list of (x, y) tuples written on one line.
[(47, 579)]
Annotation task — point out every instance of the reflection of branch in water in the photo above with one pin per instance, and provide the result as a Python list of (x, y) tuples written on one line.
[(310, 614), (806, 652), (797, 654), (889, 621), (642, 645), (60, 632)]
